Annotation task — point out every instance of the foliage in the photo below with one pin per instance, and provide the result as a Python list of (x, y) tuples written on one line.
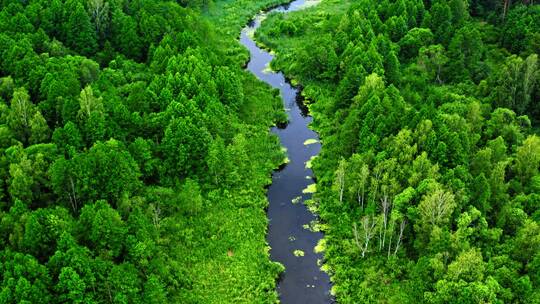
[(134, 151), (427, 181)]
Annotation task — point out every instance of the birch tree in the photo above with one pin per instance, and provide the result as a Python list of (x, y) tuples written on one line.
[(364, 236), (339, 181), (437, 207), (99, 13), (402, 225), (21, 113), (358, 179)]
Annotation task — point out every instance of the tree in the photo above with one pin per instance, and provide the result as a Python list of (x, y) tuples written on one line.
[(402, 225), (21, 181), (190, 197), (124, 35), (413, 41), (468, 266), (99, 12), (92, 115), (436, 207), (363, 237), (465, 283), (70, 286), (43, 229), (21, 114), (7, 87), (68, 139), (154, 291), (142, 151), (89, 103), (359, 179), (441, 22), (123, 284), (526, 244), (102, 228), (528, 158), (460, 12), (88, 71), (39, 130), (106, 171), (481, 194), (185, 146), (26, 280), (465, 52), (340, 175), (432, 59), (217, 160), (516, 82), (81, 35)]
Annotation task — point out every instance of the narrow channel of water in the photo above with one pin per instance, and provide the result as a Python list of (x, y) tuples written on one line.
[(302, 281)]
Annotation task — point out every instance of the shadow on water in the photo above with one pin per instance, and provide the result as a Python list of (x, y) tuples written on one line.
[(291, 243)]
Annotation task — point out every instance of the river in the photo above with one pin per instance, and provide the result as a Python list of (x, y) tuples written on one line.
[(291, 243)]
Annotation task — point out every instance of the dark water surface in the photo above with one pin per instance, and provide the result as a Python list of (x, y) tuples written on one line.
[(302, 281)]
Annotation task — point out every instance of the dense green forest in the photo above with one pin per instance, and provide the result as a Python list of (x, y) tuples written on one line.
[(428, 180), (134, 151)]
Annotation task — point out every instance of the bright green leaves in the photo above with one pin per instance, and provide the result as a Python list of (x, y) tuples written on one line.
[(154, 291), (124, 35), (103, 229), (26, 280), (80, 34), (21, 180), (438, 141), (70, 286), (91, 115), (319, 61), (415, 39), (106, 171), (515, 84), (528, 158), (468, 266), (25, 120), (88, 103), (432, 59), (43, 229), (185, 146)]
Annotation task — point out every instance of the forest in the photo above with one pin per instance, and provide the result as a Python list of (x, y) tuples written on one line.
[(428, 183), (135, 149)]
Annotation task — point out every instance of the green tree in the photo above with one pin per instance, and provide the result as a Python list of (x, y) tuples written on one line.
[(436, 207), (528, 158), (413, 41), (91, 114), (516, 82), (99, 12), (39, 130), (21, 180), (21, 114), (70, 286), (80, 34), (154, 291), (185, 146), (106, 171), (432, 59), (102, 227), (124, 35), (441, 21)]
